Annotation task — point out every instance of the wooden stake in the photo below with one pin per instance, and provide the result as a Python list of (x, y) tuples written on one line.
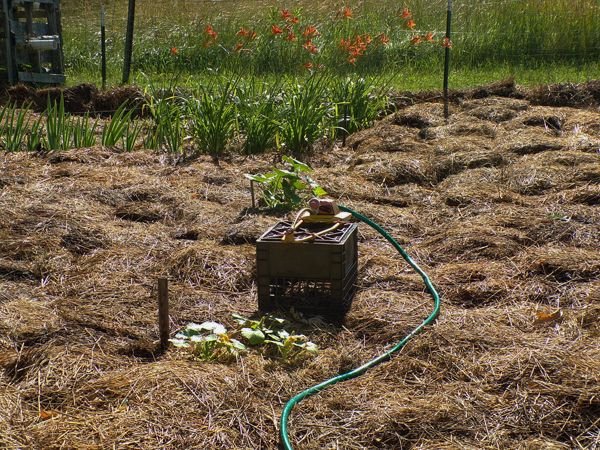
[(128, 41), (103, 47), (252, 193), (163, 312), (447, 59)]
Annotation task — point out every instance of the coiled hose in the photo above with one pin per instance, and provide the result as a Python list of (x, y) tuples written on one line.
[(285, 440)]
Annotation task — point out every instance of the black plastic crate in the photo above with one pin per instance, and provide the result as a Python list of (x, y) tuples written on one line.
[(315, 278)]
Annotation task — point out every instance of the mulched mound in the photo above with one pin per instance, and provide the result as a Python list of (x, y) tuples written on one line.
[(500, 206), (577, 95), (79, 99)]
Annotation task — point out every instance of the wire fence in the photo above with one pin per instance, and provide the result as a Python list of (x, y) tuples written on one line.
[(514, 32)]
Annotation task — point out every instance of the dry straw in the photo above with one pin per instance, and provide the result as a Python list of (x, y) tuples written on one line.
[(500, 209)]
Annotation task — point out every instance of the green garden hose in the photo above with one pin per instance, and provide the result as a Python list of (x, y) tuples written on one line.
[(285, 440)]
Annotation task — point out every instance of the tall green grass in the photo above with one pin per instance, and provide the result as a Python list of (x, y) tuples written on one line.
[(531, 34)]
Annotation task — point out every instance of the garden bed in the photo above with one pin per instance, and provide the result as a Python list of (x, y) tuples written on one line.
[(499, 206)]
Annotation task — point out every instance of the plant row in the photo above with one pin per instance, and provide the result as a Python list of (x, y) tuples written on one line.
[(244, 115)]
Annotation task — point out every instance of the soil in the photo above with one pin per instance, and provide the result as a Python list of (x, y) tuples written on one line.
[(500, 206)]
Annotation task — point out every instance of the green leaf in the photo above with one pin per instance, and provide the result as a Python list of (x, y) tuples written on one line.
[(180, 343), (238, 345), (214, 327), (311, 347), (254, 337), (240, 319), (318, 191)]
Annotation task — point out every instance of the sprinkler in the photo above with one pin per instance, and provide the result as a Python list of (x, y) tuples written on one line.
[(312, 226)]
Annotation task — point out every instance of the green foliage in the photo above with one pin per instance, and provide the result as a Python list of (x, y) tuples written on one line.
[(84, 131), (208, 341), (169, 127), (304, 115), (288, 187), (271, 332), (116, 129), (33, 141), (257, 116), (58, 127), (358, 102), (213, 116), (13, 127), (516, 33), (165, 109)]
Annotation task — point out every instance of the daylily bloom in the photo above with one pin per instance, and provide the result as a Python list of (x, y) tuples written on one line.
[(446, 42), (347, 12), (384, 39), (210, 32), (415, 40), (285, 14), (310, 31), (174, 50), (276, 29), (308, 65), (238, 47), (310, 47), (428, 37), (411, 24), (290, 36), (406, 13)]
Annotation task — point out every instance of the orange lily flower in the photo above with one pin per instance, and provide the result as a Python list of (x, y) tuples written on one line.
[(210, 32), (411, 24), (275, 29), (446, 43), (406, 13), (174, 50), (310, 31), (310, 47), (416, 40), (428, 37), (347, 12)]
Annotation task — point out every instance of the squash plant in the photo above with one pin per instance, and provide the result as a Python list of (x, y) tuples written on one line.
[(286, 188)]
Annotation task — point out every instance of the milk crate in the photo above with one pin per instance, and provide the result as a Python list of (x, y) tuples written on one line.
[(315, 278)]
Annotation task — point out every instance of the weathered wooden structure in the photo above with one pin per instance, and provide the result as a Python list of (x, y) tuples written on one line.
[(31, 42)]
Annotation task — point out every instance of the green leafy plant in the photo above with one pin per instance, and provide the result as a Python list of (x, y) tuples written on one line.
[(33, 140), (270, 331), (116, 129), (84, 131), (132, 132), (167, 121), (257, 112), (208, 341), (358, 102), (213, 115), (287, 188), (305, 113), (58, 127), (13, 128)]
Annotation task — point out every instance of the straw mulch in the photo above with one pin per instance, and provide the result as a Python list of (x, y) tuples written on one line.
[(500, 206)]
